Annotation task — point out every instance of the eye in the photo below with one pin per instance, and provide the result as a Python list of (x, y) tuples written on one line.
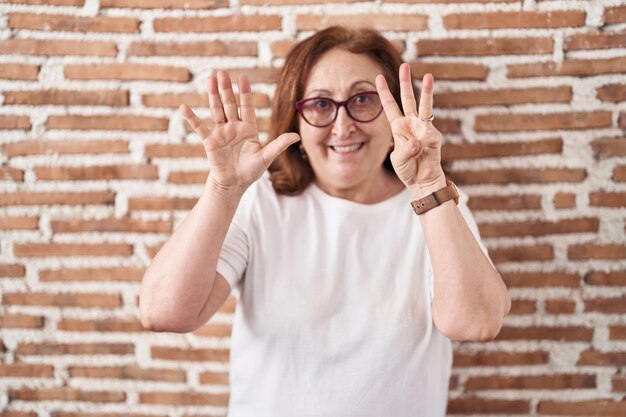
[(363, 99), (321, 104)]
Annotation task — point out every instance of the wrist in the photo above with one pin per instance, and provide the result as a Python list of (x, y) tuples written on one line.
[(421, 190)]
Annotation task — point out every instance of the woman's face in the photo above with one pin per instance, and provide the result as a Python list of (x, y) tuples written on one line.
[(346, 154)]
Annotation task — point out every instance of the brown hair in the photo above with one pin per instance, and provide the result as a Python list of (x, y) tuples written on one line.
[(290, 173)]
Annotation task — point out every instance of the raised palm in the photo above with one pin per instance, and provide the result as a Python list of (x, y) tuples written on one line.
[(236, 156)]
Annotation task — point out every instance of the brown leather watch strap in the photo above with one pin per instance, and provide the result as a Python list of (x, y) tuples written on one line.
[(435, 199)]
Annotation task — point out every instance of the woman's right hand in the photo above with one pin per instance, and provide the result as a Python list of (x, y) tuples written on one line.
[(236, 156)]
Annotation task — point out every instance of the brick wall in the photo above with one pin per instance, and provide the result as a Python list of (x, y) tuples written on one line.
[(97, 169)]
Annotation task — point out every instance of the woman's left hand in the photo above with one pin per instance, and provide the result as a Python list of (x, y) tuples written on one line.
[(416, 157)]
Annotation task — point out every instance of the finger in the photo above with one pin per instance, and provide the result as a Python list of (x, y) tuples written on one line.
[(392, 111), (426, 98), (406, 91), (227, 96), (247, 108), (215, 104), (194, 121), (278, 145)]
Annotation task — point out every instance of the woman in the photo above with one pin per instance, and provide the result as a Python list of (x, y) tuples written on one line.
[(347, 299)]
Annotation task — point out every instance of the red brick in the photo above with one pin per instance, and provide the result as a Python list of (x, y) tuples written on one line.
[(560, 306), (256, 75), (608, 147), (67, 97), (607, 199), (78, 3), (454, 151), (499, 359), (48, 47), (596, 251), (616, 14), (213, 378), (186, 354), (86, 300), (109, 172), (613, 305), (613, 93), (535, 121), (119, 122), (519, 307), (487, 406), (90, 349), (186, 398), (84, 414), (598, 40), (66, 394), (619, 173), (26, 370), (564, 200), (576, 67), (295, 2), (617, 332), (92, 274), (21, 321), (515, 20), (187, 177), (111, 225), (538, 382), (237, 23), (127, 372), (618, 383), (596, 358), (507, 203), (19, 223), (12, 271), (66, 23), (19, 72), (182, 150), (11, 174), (12, 413), (29, 250), (612, 278), (203, 49), (214, 330), (380, 22), (450, 70), (562, 334), (519, 175), (484, 46), (540, 227), (161, 203), (67, 146), (522, 253), (103, 325), (541, 279), (621, 122), (506, 96), (596, 408), (164, 4), (173, 100), (229, 305), (56, 198), (14, 122), (127, 72)]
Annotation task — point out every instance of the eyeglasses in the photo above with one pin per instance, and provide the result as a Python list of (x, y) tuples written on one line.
[(322, 111)]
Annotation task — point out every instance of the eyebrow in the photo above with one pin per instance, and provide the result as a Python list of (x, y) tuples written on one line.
[(354, 84)]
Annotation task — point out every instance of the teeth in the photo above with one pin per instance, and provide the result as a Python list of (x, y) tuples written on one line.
[(346, 149)]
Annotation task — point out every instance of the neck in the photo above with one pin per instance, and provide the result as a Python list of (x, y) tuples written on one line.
[(380, 188)]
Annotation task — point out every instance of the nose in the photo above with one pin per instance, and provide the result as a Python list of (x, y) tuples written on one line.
[(344, 124)]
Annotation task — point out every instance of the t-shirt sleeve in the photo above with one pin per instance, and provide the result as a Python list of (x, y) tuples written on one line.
[(471, 223), (233, 258)]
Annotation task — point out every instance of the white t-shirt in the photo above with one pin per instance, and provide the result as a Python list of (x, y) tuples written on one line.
[(334, 316)]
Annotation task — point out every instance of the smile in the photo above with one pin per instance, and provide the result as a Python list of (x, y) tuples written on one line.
[(348, 148)]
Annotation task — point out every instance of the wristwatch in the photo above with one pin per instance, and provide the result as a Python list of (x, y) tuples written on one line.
[(437, 198)]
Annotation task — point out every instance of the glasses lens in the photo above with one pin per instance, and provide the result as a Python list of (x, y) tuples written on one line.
[(319, 111), (364, 107)]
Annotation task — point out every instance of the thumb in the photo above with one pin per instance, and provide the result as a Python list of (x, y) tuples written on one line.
[(278, 145)]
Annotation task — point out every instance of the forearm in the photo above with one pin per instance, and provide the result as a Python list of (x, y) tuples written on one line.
[(470, 298), (179, 279)]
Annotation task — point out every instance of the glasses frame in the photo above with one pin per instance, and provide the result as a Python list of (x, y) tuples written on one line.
[(300, 108)]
